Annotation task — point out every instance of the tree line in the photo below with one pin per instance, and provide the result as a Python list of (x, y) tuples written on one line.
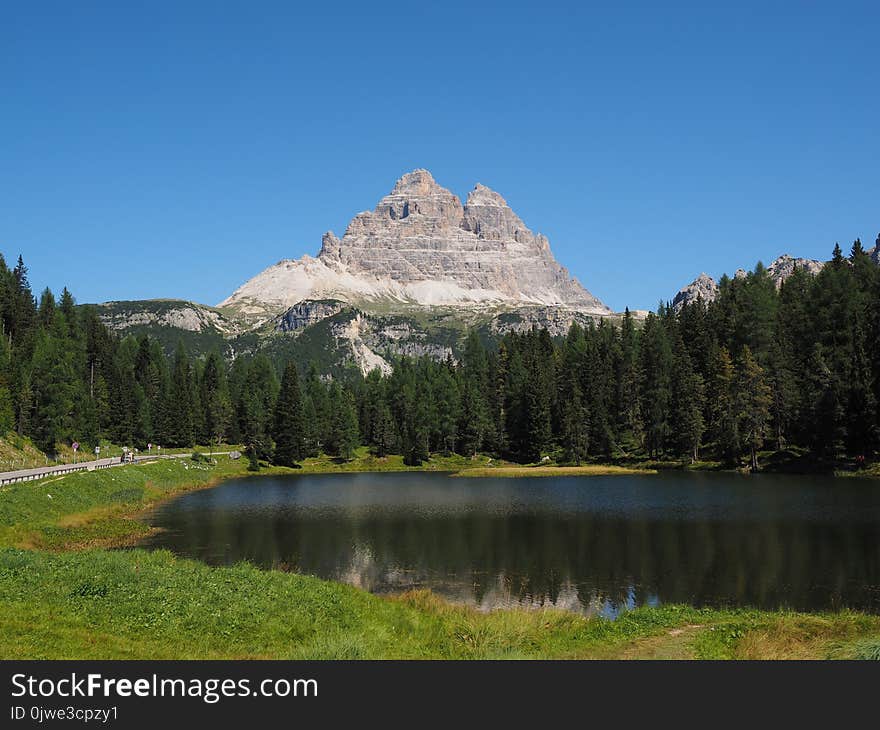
[(760, 367)]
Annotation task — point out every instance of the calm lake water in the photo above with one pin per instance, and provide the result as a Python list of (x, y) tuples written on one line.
[(594, 545)]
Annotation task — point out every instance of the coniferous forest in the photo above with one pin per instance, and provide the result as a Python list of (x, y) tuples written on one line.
[(761, 368)]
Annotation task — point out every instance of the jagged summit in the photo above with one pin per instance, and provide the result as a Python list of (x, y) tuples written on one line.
[(706, 288), (703, 287), (421, 246)]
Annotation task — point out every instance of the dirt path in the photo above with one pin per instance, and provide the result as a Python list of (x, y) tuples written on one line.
[(673, 644)]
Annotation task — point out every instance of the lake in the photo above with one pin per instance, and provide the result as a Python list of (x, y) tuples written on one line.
[(597, 545)]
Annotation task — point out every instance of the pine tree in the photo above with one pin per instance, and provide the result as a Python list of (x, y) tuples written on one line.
[(628, 407), (179, 430), (316, 392), (474, 423), (344, 436), (447, 404), (253, 456), (688, 401), (383, 431), (861, 411), (575, 426), (656, 391), (46, 311), (721, 397), (783, 391), (515, 407), (537, 433), (215, 400), (54, 384), (290, 432), (753, 400), (67, 307)]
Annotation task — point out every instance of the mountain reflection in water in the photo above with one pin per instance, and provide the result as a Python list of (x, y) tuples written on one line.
[(589, 544)]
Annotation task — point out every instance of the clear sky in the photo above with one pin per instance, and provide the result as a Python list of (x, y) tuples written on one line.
[(174, 149)]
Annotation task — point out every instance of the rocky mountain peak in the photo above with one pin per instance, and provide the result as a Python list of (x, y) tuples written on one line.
[(329, 246), (703, 287), (417, 182), (489, 216), (785, 265), (482, 195), (421, 246), (414, 194)]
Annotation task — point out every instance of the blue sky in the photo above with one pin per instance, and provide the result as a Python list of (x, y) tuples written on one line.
[(176, 149)]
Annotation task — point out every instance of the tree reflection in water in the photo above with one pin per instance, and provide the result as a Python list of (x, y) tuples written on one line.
[(595, 545)]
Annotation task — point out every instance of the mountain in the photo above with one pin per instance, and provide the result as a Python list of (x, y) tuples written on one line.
[(421, 247), (703, 287), (201, 328), (706, 288), (409, 277)]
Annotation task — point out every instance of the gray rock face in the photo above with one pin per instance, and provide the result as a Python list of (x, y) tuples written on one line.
[(306, 313), (178, 314), (420, 234), (703, 287), (785, 266), (421, 246), (556, 320)]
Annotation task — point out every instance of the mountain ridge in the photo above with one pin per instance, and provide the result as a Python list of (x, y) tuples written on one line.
[(420, 246)]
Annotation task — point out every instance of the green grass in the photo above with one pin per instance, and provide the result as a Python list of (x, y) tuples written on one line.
[(365, 461), (539, 470), (150, 605), (62, 595), (95, 508)]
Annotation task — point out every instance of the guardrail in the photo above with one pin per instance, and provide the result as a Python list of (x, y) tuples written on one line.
[(27, 475)]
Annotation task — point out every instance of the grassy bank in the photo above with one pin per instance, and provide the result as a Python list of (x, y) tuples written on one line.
[(365, 461), (63, 596), (585, 470), (97, 509), (135, 604)]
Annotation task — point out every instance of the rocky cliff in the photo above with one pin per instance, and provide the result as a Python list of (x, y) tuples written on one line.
[(706, 288), (703, 287), (421, 246)]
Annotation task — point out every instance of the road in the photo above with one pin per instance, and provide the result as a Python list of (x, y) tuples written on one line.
[(26, 475)]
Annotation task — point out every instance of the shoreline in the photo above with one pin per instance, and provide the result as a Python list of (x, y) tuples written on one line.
[(65, 592), (585, 470), (111, 522)]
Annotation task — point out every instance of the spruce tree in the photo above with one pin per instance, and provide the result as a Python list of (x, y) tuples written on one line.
[(753, 401), (688, 401), (344, 436), (383, 431), (215, 400), (474, 422), (722, 406), (179, 411), (656, 392), (575, 426), (289, 431)]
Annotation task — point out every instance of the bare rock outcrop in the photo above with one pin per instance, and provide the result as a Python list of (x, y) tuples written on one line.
[(306, 313), (785, 266), (703, 287), (421, 246)]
